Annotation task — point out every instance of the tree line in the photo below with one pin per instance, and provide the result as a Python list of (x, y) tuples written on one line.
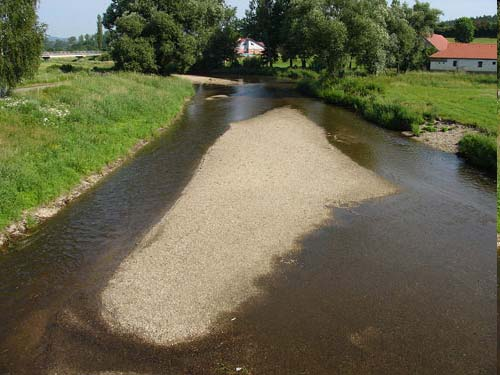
[(165, 36), (484, 27), (162, 36), (335, 34), (84, 42)]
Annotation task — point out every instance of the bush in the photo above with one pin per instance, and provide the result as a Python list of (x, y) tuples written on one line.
[(104, 57), (67, 68), (136, 55), (480, 150), (360, 96)]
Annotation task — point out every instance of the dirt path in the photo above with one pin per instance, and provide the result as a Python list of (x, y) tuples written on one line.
[(265, 183), (38, 87)]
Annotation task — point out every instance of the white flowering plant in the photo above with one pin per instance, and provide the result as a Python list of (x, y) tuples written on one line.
[(48, 114)]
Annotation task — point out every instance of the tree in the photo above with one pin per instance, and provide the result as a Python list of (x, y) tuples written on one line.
[(402, 38), (220, 47), (99, 36), (464, 30), (423, 19), (296, 33), (330, 35), (175, 33), (21, 42), (368, 39)]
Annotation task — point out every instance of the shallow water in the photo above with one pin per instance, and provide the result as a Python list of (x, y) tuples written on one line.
[(404, 284)]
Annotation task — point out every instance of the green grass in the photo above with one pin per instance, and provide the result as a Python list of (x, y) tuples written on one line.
[(480, 150), (469, 99), (403, 102), (478, 40), (50, 139), (50, 71)]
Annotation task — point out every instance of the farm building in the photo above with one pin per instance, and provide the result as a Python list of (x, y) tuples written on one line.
[(249, 47), (467, 57), (437, 41)]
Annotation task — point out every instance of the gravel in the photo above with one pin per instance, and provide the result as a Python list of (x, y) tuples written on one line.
[(266, 183)]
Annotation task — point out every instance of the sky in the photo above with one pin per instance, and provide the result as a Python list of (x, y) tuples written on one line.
[(72, 18)]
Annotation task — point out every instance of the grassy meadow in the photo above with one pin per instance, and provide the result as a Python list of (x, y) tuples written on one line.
[(478, 40), (50, 139), (50, 71), (469, 99)]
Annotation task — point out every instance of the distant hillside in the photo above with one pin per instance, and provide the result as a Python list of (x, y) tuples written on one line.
[(486, 27), (85, 42), (51, 38)]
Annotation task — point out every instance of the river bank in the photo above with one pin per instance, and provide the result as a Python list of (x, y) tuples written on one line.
[(59, 142), (460, 107), (379, 295)]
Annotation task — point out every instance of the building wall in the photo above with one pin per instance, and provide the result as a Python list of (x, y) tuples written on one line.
[(468, 65), (249, 48)]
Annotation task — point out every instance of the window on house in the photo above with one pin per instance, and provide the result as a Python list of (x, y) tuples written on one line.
[(494, 62), (455, 63), (480, 64)]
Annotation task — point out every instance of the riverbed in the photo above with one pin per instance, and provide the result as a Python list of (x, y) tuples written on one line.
[(402, 283)]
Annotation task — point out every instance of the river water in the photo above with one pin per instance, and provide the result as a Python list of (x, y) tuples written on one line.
[(400, 285)]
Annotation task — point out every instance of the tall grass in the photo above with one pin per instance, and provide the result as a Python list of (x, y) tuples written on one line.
[(480, 150), (50, 139), (64, 69), (364, 97)]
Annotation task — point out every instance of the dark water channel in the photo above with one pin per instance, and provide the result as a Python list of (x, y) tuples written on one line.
[(400, 285)]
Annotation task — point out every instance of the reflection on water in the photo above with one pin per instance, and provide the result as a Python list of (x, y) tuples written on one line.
[(405, 284)]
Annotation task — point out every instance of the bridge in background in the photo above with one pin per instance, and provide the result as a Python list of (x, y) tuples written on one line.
[(70, 54)]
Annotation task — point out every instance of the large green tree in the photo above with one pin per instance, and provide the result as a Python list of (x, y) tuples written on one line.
[(263, 22), (21, 42), (164, 36), (402, 38), (464, 30), (296, 32), (368, 38), (423, 19)]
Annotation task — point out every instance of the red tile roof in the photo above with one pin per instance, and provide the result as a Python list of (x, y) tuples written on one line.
[(438, 41), (468, 51)]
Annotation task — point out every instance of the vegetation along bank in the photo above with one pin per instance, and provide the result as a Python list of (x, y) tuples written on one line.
[(418, 101), (51, 139)]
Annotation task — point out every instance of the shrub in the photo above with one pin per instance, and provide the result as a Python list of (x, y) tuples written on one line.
[(360, 96), (480, 150), (67, 68)]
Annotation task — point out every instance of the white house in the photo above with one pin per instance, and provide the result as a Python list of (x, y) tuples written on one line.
[(467, 57), (248, 47)]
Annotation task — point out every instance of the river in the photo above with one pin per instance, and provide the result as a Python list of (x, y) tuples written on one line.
[(396, 285)]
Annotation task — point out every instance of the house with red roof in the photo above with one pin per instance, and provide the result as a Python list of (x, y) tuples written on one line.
[(467, 57), (248, 47), (437, 41)]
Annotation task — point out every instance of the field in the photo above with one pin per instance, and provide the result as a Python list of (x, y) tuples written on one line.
[(50, 71), (478, 40), (50, 139), (469, 99)]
